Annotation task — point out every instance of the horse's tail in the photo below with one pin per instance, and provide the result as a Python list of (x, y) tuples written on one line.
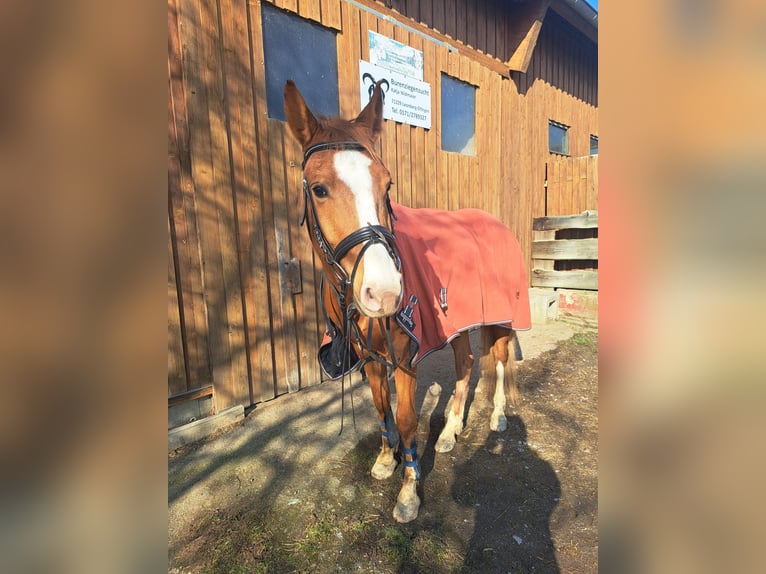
[(499, 344)]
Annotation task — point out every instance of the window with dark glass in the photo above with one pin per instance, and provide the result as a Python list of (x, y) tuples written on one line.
[(303, 51), (558, 138), (458, 111), (593, 145)]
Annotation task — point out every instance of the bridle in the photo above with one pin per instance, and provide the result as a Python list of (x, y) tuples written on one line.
[(366, 236)]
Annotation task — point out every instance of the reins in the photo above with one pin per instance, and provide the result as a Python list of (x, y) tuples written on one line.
[(367, 237)]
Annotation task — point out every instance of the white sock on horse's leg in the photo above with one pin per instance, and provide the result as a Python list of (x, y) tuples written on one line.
[(498, 421)]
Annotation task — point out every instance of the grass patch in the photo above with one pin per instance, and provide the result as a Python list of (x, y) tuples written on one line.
[(586, 339), (397, 548)]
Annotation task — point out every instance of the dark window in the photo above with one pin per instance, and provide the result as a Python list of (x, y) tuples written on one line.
[(302, 51), (458, 116), (593, 145), (558, 138)]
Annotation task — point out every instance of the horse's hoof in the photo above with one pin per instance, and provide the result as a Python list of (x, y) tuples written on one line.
[(498, 422), (445, 444), (408, 502), (406, 511), (382, 470)]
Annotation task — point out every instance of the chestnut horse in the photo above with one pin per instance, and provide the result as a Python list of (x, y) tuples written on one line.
[(351, 223)]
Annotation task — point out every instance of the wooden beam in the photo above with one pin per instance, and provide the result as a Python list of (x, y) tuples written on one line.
[(190, 395), (202, 428), (565, 279), (565, 249), (586, 220), (526, 29)]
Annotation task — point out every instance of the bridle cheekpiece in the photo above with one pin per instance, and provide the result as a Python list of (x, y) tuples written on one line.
[(366, 236)]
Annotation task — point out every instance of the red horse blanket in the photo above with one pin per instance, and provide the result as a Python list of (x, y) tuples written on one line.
[(461, 269)]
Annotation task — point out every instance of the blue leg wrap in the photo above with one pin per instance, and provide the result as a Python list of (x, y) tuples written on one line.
[(388, 429), (414, 463)]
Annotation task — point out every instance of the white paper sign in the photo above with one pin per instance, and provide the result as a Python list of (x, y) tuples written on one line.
[(406, 99), (388, 53)]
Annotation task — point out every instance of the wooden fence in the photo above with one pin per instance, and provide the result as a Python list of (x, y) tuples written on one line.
[(565, 251), (571, 185)]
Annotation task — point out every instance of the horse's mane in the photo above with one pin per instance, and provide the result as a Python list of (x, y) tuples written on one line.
[(340, 130)]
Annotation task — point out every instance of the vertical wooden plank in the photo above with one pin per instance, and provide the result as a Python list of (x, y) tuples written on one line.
[(566, 203), (403, 143), (291, 5), (389, 137), (233, 337), (305, 302), (450, 18), (412, 9), (454, 160), (438, 16), (579, 205), (480, 29), (352, 72), (211, 173), (583, 185), (460, 21), (490, 23), (245, 172), (177, 381), (492, 137), (346, 62), (469, 176), (510, 162), (443, 172), (331, 16), (560, 203), (285, 344), (593, 203), (367, 22), (469, 18), (417, 138), (552, 189), (183, 209), (261, 216), (430, 75), (310, 9), (427, 12)]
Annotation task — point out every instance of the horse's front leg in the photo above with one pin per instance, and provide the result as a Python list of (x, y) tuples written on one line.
[(385, 463), (408, 502)]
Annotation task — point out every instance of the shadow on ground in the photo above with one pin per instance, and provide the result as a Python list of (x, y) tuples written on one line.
[(285, 493)]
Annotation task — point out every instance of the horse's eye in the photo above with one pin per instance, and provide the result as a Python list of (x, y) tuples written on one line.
[(320, 191), (388, 187)]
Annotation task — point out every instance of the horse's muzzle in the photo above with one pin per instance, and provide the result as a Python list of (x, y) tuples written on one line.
[(379, 301), (380, 290)]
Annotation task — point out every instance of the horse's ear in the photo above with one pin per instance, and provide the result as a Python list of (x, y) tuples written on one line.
[(300, 120), (372, 114)]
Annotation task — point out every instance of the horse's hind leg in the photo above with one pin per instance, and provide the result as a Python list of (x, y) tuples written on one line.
[(498, 364), (381, 393), (456, 407)]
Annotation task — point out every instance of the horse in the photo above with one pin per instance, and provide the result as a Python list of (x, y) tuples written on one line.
[(357, 232)]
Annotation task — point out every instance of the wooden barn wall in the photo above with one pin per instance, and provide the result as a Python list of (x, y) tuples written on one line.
[(235, 320), (572, 185)]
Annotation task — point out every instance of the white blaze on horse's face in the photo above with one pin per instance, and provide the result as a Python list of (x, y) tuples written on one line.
[(380, 287)]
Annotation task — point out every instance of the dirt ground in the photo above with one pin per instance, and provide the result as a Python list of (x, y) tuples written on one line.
[(283, 491)]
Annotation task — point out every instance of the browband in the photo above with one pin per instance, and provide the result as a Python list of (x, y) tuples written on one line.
[(331, 145)]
